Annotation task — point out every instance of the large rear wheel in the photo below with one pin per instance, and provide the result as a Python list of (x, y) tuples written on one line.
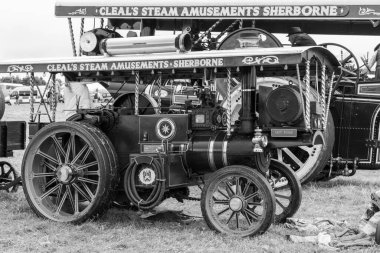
[(69, 171), (238, 200), (307, 162)]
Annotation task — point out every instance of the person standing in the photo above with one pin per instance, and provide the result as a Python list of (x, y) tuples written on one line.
[(17, 102), (375, 59), (299, 38)]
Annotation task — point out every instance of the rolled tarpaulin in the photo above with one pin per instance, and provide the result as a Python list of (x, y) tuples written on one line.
[(146, 45)]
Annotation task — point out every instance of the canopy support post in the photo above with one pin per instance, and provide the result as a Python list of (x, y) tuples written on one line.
[(54, 96), (307, 110), (31, 96), (323, 95), (229, 102), (137, 81), (72, 37), (159, 80)]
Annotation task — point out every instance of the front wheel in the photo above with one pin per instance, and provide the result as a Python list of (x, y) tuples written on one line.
[(69, 170), (238, 200)]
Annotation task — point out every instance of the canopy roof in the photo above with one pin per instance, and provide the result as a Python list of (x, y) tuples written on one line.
[(167, 61), (226, 9)]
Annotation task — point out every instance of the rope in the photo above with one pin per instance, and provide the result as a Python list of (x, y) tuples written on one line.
[(72, 37), (323, 99), (301, 91), (137, 81), (240, 23), (31, 96), (80, 35), (229, 102), (307, 95), (207, 32), (159, 80), (101, 22)]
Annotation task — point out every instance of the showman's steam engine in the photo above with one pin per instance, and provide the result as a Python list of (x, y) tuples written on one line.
[(145, 149)]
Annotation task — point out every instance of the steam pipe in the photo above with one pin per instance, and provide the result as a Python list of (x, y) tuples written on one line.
[(248, 92)]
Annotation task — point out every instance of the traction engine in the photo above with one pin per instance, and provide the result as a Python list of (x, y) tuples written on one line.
[(140, 152)]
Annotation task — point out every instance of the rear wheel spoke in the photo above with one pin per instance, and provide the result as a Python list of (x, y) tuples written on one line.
[(87, 180), (51, 167), (81, 192), (52, 181), (43, 175), (73, 148), (59, 208), (58, 194), (49, 192), (71, 198), (89, 192), (92, 173), (87, 165), (76, 201), (81, 152), (46, 156), (58, 155), (85, 156), (293, 157), (69, 146), (59, 149)]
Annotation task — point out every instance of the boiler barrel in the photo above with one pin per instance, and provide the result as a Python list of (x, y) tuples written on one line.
[(210, 151)]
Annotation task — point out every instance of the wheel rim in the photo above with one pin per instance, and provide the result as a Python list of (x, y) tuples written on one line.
[(282, 191), (62, 175), (236, 205), (350, 73), (301, 159)]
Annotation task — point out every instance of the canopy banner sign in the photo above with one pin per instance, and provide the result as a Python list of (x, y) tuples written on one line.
[(128, 65), (226, 12)]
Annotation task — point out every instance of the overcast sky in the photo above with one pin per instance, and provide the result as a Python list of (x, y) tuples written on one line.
[(29, 29)]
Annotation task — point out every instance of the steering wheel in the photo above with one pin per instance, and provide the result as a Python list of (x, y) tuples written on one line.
[(350, 73)]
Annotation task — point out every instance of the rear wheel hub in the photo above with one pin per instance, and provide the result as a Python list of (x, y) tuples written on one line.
[(65, 173)]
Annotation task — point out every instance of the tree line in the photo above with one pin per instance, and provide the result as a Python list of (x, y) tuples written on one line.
[(24, 81)]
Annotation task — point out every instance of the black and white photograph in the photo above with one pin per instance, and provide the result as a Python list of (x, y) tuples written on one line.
[(190, 126)]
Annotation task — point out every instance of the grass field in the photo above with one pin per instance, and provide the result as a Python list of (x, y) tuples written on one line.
[(124, 231)]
